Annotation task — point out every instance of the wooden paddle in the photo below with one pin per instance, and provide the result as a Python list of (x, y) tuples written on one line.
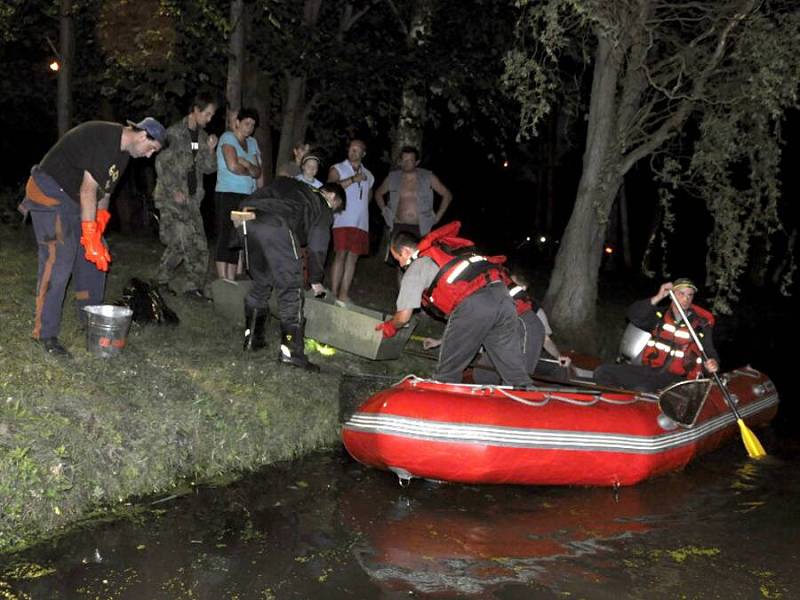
[(751, 443)]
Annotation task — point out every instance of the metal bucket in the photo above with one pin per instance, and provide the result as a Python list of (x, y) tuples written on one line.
[(632, 344), (107, 330)]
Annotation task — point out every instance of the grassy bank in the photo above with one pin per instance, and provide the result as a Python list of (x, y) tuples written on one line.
[(179, 404)]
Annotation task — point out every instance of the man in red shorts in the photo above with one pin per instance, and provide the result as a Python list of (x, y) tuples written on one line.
[(351, 226)]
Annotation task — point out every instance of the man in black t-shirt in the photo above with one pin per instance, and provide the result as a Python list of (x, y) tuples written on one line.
[(67, 196)]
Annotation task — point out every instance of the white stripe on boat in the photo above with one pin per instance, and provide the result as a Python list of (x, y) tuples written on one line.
[(520, 437)]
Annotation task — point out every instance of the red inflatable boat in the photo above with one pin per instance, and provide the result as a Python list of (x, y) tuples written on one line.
[(556, 435)]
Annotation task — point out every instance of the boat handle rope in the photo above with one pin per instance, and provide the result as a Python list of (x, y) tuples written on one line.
[(415, 379), (565, 399)]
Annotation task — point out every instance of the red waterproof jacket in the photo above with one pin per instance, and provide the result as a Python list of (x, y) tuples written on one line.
[(462, 270), (671, 344)]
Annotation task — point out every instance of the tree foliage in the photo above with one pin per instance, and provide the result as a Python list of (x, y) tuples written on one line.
[(699, 88), (733, 163), (150, 56), (356, 73)]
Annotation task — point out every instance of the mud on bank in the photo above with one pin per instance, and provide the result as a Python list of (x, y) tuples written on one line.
[(180, 405)]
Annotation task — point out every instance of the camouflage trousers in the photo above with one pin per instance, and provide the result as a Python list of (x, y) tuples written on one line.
[(181, 231)]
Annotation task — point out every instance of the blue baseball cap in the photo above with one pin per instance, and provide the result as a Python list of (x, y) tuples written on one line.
[(153, 128)]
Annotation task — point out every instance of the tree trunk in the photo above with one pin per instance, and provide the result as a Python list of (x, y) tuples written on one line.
[(233, 90), (66, 49), (295, 96), (572, 294), (410, 124), (413, 108), (259, 96), (295, 108)]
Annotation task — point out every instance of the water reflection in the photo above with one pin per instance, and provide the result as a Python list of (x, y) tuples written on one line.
[(469, 540), (328, 528), (472, 541)]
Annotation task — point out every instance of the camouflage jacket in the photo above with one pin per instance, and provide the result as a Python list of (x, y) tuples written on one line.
[(174, 161)]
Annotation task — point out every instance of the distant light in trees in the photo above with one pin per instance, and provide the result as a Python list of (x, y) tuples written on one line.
[(542, 239), (54, 66), (505, 164), (608, 250)]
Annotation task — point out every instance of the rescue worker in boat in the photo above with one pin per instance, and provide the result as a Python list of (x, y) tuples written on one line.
[(670, 355), (536, 332), (446, 275), (289, 214)]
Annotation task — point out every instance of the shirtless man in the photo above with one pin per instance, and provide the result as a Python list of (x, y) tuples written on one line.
[(410, 206)]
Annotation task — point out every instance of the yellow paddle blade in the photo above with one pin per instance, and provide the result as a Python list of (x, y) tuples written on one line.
[(751, 443)]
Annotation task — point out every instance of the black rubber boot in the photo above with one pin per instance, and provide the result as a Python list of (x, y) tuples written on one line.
[(255, 328), (292, 350)]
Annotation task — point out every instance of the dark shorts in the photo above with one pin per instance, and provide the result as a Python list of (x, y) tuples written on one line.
[(410, 228), (351, 239)]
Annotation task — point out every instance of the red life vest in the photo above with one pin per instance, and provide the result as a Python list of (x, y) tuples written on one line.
[(462, 270), (671, 344), (523, 301)]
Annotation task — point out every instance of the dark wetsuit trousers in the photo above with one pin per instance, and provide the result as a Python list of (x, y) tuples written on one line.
[(61, 257), (531, 341), (275, 263), (486, 318), (635, 377)]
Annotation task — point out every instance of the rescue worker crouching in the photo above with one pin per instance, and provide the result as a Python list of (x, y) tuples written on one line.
[(448, 277), (670, 355), (289, 214), (532, 332)]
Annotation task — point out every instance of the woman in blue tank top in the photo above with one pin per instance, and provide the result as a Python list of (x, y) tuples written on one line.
[(238, 172)]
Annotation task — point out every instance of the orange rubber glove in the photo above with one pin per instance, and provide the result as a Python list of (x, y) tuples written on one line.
[(388, 329), (102, 219), (96, 252)]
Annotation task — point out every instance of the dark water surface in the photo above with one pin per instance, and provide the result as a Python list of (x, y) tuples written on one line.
[(326, 527)]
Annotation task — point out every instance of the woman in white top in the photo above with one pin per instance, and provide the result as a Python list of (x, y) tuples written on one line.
[(238, 171), (308, 171)]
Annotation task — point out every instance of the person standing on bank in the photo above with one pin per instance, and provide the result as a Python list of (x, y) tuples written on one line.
[(444, 274), (351, 226), (179, 193), (670, 355), (308, 170), (289, 214), (410, 189), (67, 196), (291, 168), (238, 170)]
